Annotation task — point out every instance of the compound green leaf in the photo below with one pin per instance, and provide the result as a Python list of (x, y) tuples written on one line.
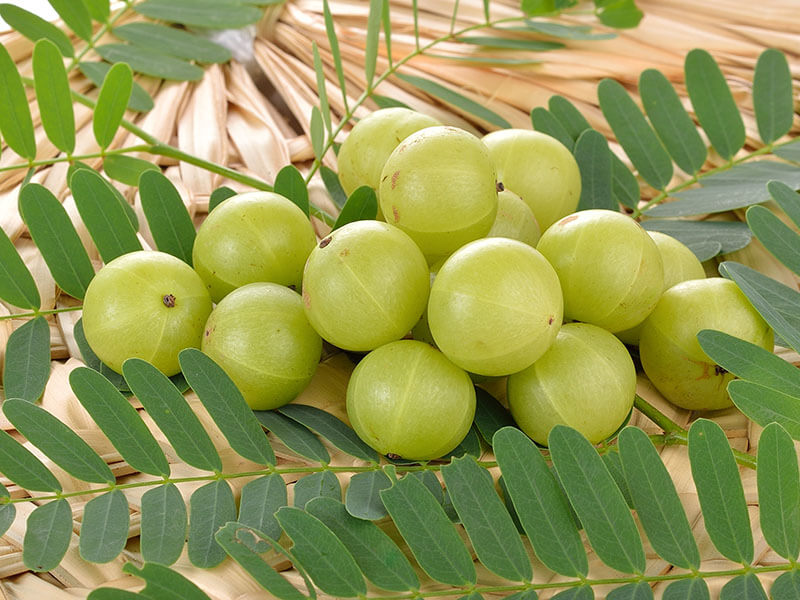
[(362, 498), (508, 43), (333, 185), (428, 532), (163, 528), (48, 532), (787, 199), (719, 488), (687, 589), (764, 405), (173, 42), (27, 361), (597, 500), (594, 159), (210, 507), (53, 95), (490, 415), (782, 241), (259, 500), (16, 124), (713, 103), (162, 583), (35, 28), (705, 238), (17, 286), (111, 103), (624, 186), (295, 436), (378, 557), (99, 9), (361, 205), (20, 466), (324, 557), (544, 121), (786, 587), (119, 420), (169, 221), (219, 195), (75, 15), (212, 14), (773, 99), (104, 529), (150, 62), (225, 404), (290, 184), (633, 591), (569, 116), (743, 587), (140, 100), (315, 485), (127, 169), (373, 32)]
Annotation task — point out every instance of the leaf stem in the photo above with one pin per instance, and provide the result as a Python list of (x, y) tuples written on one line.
[(59, 159), (38, 313)]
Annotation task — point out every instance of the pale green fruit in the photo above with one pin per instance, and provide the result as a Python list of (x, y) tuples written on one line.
[(495, 306), (514, 220), (260, 336), (539, 168), (405, 399), (586, 380), (439, 186), (670, 353), (256, 236), (610, 269), (147, 305), (365, 285)]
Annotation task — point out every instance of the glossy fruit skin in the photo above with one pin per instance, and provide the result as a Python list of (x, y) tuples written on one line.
[(147, 305), (610, 270), (514, 220), (586, 380), (365, 285), (671, 355), (538, 168), (440, 187), (407, 400), (260, 336), (255, 236), (495, 306)]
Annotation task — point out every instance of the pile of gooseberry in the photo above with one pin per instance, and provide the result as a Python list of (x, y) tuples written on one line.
[(477, 267)]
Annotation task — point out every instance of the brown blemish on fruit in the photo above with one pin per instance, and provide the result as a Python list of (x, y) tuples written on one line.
[(550, 320), (395, 175), (500, 187), (209, 331), (306, 299), (566, 220), (393, 456), (719, 370), (169, 300), (325, 241), (345, 252), (395, 214)]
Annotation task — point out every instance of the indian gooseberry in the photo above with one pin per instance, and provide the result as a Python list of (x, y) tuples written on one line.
[(495, 306), (610, 269), (670, 353), (514, 219), (147, 305), (586, 380), (365, 284), (439, 186), (255, 236), (260, 336), (407, 400), (539, 168)]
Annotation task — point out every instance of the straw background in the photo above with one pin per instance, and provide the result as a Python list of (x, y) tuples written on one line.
[(253, 115)]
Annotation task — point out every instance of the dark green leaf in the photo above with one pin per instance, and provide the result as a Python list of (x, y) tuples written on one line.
[(334, 187), (719, 489), (321, 554), (104, 529), (458, 100), (210, 507), (743, 587), (634, 134), (98, 9), (429, 533), (782, 241), (111, 103), (687, 589), (213, 14), (75, 15), (786, 587), (386, 102), (330, 428), (295, 436), (622, 14), (19, 465), (48, 532), (597, 500), (376, 554), (787, 199), (163, 528), (17, 286), (613, 463), (169, 221), (121, 423), (35, 28), (8, 511), (260, 499), (91, 360), (632, 591), (490, 415), (322, 89), (713, 103), (544, 121), (105, 593), (656, 501), (314, 485), (705, 238), (173, 42), (53, 95), (162, 583), (361, 205), (594, 159), (225, 404), (127, 169), (569, 116), (333, 44), (583, 592), (526, 595), (16, 124), (27, 362), (150, 62), (290, 184), (373, 32), (363, 499), (140, 100), (789, 151), (624, 186), (764, 405), (218, 195), (773, 99), (487, 522), (540, 504), (510, 43), (470, 445)]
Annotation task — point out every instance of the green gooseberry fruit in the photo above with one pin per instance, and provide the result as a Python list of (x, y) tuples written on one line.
[(610, 269), (255, 236), (407, 400), (670, 353), (147, 305), (439, 186), (495, 306), (514, 220), (539, 168), (366, 284), (586, 380), (260, 336)]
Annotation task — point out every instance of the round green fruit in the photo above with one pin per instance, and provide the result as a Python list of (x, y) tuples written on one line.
[(539, 168), (406, 400), (366, 284), (586, 380), (256, 236), (610, 269), (670, 353), (439, 186), (260, 336), (495, 306), (147, 305), (514, 220)]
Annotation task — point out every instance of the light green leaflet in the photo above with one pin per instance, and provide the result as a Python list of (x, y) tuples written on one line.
[(127, 169), (362, 204), (23, 468), (594, 159), (173, 42), (773, 99), (362, 497), (373, 31), (295, 436), (210, 507), (213, 14), (53, 95), (787, 199), (75, 15), (764, 405), (170, 223), (104, 529), (140, 100), (27, 361), (150, 62), (48, 533), (317, 132), (35, 28), (782, 241), (259, 500), (543, 120), (111, 103), (16, 124), (99, 9), (290, 184), (315, 485), (163, 527)]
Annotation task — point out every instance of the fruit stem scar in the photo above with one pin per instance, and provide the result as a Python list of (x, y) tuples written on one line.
[(169, 300), (500, 187), (325, 241)]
